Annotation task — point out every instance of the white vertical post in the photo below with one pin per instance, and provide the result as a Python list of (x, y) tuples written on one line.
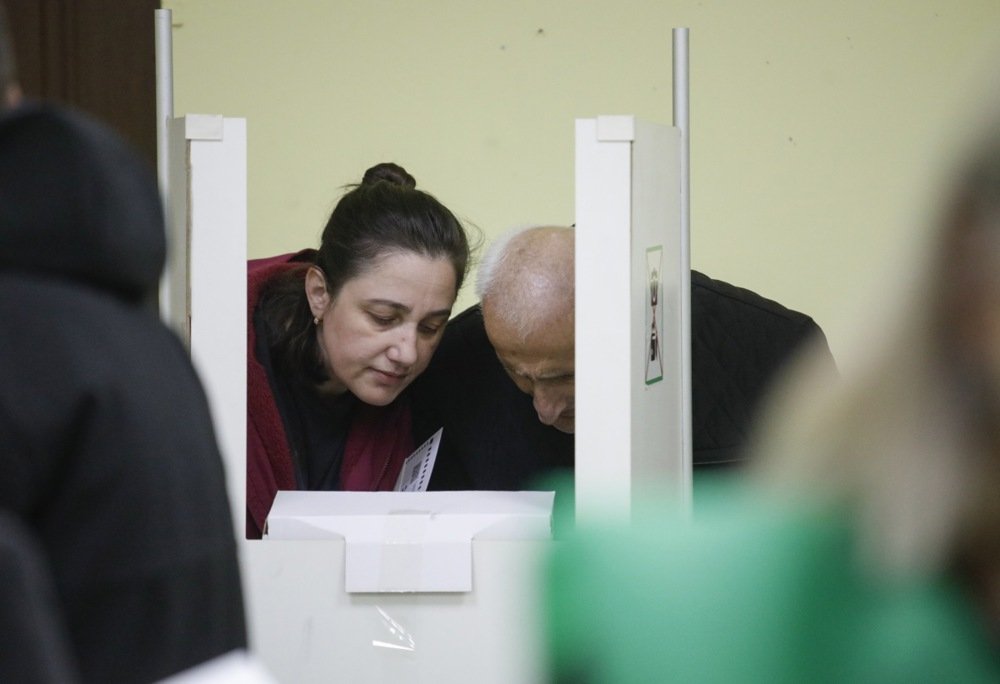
[(602, 469), (681, 91), (633, 300), (208, 166), (163, 42), (629, 339), (681, 111)]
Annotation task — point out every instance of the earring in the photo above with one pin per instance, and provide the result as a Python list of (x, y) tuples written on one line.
[(316, 320)]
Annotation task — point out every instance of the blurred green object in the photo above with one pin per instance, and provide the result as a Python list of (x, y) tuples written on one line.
[(750, 591)]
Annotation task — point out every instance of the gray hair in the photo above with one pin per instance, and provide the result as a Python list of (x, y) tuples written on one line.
[(526, 277)]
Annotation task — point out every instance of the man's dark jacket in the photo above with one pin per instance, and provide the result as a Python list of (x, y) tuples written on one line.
[(108, 456), (494, 440)]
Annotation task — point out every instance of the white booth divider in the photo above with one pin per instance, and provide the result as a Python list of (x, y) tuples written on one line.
[(304, 625), (633, 409), (632, 353), (207, 267)]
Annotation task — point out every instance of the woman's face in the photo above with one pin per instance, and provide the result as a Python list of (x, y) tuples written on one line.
[(380, 331)]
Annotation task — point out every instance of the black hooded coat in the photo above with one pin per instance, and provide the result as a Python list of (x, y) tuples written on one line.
[(107, 451)]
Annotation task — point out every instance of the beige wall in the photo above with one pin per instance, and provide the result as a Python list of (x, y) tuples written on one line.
[(816, 125)]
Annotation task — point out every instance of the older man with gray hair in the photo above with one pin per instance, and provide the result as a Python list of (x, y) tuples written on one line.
[(526, 289), (502, 381)]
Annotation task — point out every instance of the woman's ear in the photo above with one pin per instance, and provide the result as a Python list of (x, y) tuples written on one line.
[(316, 292)]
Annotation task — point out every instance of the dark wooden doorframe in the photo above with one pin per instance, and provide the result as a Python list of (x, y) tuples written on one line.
[(95, 55)]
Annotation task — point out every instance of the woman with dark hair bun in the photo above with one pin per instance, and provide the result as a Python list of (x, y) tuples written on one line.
[(336, 334)]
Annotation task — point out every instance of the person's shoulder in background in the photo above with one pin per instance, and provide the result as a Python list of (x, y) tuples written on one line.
[(463, 367), (740, 343), (451, 393), (755, 320)]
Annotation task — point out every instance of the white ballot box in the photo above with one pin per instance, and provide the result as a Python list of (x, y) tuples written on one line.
[(400, 586)]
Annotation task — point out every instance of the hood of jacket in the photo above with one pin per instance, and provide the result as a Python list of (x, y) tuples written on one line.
[(77, 202)]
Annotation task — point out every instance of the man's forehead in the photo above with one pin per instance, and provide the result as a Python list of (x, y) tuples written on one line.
[(537, 362), (533, 348)]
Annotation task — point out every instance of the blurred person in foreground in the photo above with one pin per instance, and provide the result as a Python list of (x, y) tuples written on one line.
[(109, 465), (866, 547)]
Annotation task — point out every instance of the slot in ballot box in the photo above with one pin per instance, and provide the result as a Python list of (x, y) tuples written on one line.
[(400, 586)]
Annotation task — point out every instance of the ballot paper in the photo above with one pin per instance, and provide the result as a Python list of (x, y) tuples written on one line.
[(417, 467)]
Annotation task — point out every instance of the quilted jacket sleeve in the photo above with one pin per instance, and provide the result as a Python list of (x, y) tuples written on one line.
[(740, 343)]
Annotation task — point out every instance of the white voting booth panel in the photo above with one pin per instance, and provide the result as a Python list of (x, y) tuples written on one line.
[(207, 268), (632, 285), (304, 625)]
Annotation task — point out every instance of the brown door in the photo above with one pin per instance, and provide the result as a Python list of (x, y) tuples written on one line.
[(95, 55)]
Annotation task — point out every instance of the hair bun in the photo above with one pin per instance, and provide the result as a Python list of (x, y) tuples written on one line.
[(390, 173)]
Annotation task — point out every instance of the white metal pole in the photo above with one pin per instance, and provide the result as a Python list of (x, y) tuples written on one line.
[(682, 122), (163, 19)]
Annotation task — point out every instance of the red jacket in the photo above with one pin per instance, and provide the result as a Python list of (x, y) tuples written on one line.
[(379, 440)]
